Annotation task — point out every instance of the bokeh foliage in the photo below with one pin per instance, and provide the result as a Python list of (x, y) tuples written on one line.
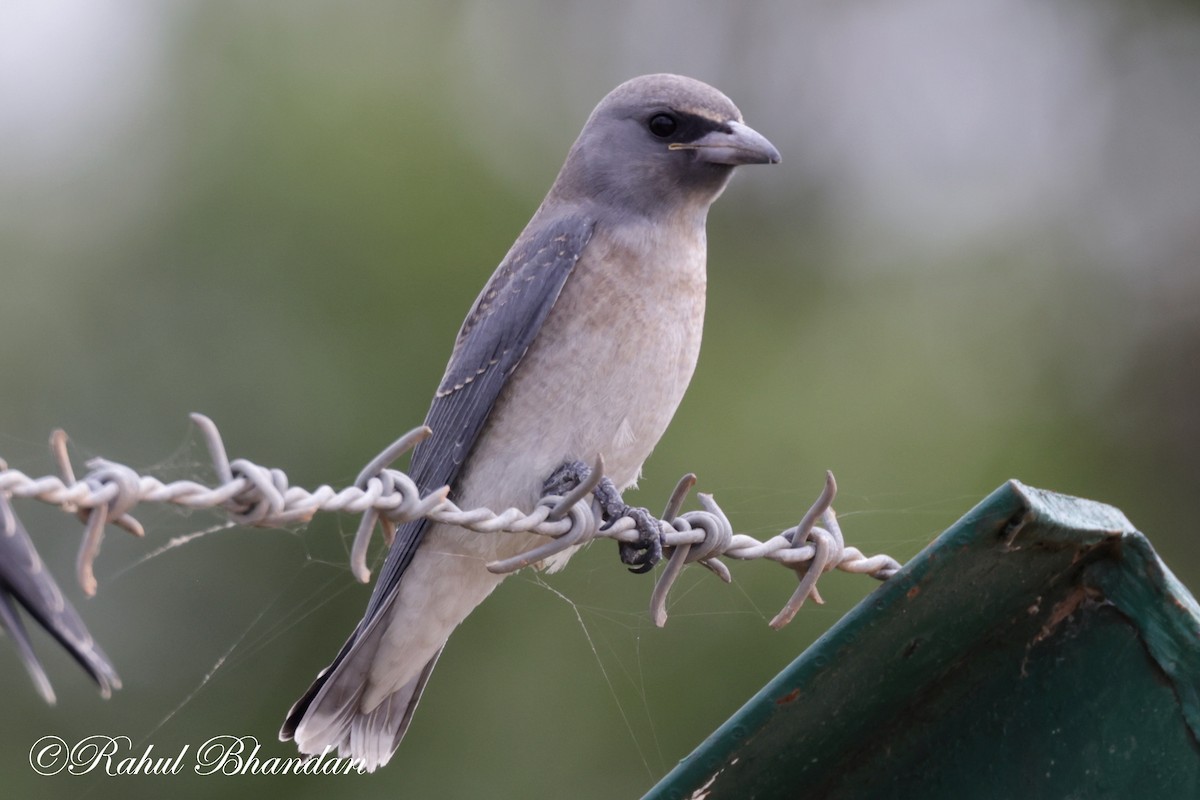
[(278, 213)]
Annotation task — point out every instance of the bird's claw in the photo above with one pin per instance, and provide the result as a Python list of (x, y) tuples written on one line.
[(641, 555), (647, 551)]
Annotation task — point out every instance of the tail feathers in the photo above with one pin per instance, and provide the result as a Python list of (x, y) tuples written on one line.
[(374, 737), (330, 715), (299, 709)]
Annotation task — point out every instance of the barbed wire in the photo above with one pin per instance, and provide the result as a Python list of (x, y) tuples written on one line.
[(257, 496)]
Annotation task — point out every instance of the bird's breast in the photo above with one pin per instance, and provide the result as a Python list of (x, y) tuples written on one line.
[(605, 373)]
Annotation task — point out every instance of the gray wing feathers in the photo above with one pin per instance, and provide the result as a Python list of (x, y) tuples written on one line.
[(10, 621), (24, 578), (497, 332), (503, 322)]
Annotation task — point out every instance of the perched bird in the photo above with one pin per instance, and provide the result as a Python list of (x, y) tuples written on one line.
[(581, 343), (23, 578)]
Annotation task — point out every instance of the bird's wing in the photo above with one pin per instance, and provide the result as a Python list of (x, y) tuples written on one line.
[(493, 339), (497, 332), (24, 577)]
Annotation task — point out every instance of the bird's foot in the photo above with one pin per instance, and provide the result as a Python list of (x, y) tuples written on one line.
[(641, 555), (565, 479)]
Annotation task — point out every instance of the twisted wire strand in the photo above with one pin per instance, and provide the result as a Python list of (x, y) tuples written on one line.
[(257, 496)]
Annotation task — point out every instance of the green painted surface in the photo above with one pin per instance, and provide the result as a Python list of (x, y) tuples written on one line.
[(1038, 648)]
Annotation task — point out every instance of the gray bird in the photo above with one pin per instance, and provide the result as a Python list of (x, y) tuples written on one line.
[(582, 343), (23, 578)]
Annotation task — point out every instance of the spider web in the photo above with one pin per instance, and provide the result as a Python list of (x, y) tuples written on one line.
[(615, 634)]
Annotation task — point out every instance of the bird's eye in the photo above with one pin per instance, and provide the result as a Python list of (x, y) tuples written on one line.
[(662, 125)]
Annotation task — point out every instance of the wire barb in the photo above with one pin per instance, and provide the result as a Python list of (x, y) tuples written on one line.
[(256, 496)]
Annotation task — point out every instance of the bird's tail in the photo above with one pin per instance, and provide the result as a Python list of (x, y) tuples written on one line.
[(329, 715)]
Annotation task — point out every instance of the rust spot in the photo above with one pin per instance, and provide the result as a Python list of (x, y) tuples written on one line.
[(913, 592), (790, 697), (1062, 610)]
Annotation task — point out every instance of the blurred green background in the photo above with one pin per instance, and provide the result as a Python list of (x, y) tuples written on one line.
[(977, 261)]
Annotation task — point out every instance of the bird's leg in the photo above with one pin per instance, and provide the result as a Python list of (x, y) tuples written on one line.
[(641, 555)]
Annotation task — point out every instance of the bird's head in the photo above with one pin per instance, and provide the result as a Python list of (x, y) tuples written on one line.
[(660, 143)]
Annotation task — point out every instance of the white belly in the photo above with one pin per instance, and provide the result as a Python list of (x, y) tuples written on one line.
[(605, 375)]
